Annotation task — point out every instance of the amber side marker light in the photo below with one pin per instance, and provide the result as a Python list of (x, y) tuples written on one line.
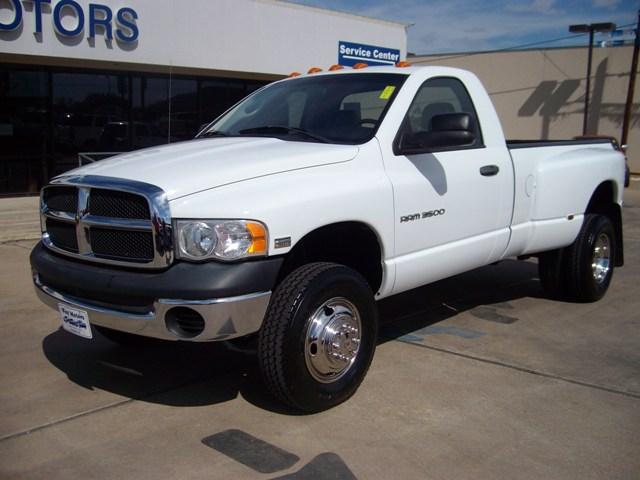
[(314, 70), (335, 67), (360, 65), (403, 64), (294, 74), (258, 238)]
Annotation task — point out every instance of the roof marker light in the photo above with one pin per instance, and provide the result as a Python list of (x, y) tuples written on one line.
[(359, 65), (314, 70), (335, 67), (294, 74), (403, 64)]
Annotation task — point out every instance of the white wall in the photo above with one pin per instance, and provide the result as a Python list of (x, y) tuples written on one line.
[(266, 36)]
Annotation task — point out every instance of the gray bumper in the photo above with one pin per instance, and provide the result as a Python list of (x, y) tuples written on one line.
[(224, 318)]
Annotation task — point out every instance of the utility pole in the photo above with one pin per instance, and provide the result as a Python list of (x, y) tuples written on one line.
[(632, 85), (590, 29)]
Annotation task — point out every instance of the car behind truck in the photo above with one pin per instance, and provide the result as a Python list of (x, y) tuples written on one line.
[(290, 215)]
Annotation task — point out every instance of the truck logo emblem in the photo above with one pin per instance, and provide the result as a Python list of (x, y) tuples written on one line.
[(419, 216)]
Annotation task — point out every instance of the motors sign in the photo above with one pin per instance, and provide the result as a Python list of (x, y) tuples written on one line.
[(70, 19), (351, 53)]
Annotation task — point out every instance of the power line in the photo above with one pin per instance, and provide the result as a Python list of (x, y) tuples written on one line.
[(506, 49)]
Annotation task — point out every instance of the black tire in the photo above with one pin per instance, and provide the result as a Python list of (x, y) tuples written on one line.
[(126, 339), (551, 270), (283, 352), (582, 284)]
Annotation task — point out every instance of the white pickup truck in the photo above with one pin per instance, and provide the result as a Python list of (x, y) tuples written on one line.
[(293, 212)]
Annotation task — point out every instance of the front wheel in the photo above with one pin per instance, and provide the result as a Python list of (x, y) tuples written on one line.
[(318, 337)]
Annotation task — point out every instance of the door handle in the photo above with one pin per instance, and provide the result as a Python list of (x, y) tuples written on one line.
[(489, 170)]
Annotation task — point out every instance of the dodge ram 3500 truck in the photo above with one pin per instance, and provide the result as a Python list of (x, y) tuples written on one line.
[(293, 212)]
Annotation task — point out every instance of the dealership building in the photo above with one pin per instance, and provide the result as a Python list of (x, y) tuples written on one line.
[(85, 78), (81, 80)]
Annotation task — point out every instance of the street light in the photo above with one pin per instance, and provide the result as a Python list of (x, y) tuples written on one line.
[(590, 29)]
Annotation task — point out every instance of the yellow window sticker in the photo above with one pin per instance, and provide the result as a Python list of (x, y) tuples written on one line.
[(387, 92)]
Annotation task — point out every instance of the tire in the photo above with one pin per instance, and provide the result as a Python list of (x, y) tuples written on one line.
[(551, 270), (298, 367), (126, 339), (591, 259)]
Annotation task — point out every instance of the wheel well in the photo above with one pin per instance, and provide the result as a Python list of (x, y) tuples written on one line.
[(353, 244), (603, 202)]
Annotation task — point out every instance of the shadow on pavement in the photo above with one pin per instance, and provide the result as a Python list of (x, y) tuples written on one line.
[(477, 291), (198, 374)]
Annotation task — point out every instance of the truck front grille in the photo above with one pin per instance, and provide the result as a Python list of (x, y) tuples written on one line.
[(121, 244), (113, 204), (62, 199), (108, 221), (63, 235)]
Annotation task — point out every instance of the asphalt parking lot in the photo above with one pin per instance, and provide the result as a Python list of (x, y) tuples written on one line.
[(478, 376)]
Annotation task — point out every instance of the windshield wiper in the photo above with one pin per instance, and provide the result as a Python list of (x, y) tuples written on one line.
[(284, 129), (214, 133)]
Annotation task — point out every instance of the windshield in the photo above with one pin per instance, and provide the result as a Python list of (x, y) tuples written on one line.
[(343, 109)]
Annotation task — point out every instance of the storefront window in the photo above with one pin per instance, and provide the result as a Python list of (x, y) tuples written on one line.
[(185, 117), (48, 117), (85, 105), (24, 121)]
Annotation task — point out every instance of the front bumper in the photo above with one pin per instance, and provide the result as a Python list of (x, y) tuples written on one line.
[(231, 299)]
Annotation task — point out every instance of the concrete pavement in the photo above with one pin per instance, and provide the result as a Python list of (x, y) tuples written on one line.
[(19, 219), (478, 376)]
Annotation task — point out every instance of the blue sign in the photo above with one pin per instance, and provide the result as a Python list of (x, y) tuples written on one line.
[(351, 53), (120, 24)]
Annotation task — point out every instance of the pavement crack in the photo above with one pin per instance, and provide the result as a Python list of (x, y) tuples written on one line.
[(58, 421), (102, 408), (524, 369)]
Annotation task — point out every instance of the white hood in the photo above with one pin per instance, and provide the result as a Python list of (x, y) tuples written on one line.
[(188, 167)]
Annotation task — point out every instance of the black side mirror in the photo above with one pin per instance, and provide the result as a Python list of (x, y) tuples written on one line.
[(447, 130)]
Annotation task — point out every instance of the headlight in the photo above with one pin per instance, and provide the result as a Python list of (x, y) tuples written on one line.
[(221, 239)]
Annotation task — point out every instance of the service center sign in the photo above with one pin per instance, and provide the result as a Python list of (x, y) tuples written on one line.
[(351, 53)]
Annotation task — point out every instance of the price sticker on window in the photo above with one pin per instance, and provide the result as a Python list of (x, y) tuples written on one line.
[(387, 92)]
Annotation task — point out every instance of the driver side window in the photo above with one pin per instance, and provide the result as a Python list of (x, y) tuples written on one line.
[(439, 96)]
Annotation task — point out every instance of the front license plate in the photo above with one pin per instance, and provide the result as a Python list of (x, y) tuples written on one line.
[(75, 321)]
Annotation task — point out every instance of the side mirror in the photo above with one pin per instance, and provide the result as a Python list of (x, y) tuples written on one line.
[(447, 130)]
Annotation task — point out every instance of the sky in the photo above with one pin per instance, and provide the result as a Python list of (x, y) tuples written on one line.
[(447, 26)]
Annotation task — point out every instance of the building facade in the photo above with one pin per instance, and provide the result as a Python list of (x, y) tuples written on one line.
[(81, 80)]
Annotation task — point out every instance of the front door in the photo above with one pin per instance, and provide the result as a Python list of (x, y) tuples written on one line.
[(452, 210)]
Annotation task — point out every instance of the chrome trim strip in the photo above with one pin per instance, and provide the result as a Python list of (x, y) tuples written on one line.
[(212, 301), (61, 216), (225, 318), (159, 223), (118, 223), (82, 232)]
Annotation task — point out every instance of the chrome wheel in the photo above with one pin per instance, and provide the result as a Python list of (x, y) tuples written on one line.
[(601, 263), (333, 340)]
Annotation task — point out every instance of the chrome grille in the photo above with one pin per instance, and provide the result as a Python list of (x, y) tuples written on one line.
[(63, 235), (107, 220), (62, 199), (135, 246), (114, 204)]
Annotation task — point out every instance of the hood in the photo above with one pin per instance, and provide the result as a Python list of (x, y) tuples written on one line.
[(188, 167)]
